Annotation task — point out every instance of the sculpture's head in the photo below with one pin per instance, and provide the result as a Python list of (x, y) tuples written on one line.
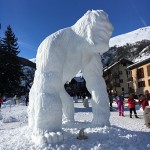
[(96, 28)]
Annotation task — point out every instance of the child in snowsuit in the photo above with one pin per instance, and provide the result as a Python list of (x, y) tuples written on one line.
[(120, 103), (143, 101), (131, 105)]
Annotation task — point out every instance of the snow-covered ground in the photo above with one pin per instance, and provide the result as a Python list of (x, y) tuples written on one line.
[(124, 133)]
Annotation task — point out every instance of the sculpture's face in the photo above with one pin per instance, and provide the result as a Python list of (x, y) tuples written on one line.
[(98, 28), (101, 28)]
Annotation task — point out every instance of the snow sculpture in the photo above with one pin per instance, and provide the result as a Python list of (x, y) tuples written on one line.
[(59, 58)]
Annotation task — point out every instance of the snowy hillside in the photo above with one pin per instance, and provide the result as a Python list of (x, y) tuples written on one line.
[(33, 60), (135, 45), (131, 37)]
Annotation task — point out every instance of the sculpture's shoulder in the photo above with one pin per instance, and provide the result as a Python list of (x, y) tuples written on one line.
[(54, 40)]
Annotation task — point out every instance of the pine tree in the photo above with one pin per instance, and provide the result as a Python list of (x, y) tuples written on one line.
[(9, 64), (2, 66)]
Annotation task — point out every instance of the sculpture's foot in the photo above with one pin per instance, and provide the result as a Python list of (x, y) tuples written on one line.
[(48, 137)]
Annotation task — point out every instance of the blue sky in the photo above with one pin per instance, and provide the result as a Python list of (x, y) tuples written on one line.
[(33, 20)]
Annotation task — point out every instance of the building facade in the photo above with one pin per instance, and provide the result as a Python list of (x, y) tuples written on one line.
[(116, 77), (139, 79)]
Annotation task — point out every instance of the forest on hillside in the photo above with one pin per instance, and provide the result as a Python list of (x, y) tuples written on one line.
[(128, 51)]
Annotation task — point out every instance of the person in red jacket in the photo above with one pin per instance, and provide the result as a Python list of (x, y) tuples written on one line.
[(143, 101), (131, 105)]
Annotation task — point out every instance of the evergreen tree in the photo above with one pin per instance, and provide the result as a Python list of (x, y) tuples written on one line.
[(2, 66), (9, 64)]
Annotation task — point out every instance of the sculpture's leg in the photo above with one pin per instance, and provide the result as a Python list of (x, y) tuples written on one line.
[(67, 107), (47, 109), (97, 87), (30, 109)]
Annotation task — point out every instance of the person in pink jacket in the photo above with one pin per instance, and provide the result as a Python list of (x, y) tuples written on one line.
[(120, 103)]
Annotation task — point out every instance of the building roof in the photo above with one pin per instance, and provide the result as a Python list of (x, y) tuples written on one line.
[(138, 64), (114, 64)]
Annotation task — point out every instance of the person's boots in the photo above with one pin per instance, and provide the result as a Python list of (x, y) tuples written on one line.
[(130, 115), (136, 116), (123, 114), (119, 113)]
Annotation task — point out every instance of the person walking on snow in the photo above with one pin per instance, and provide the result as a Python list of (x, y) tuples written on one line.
[(110, 100), (120, 103), (26, 100), (131, 105)]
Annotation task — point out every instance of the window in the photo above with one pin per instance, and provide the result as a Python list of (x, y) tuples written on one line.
[(148, 70), (120, 72), (140, 73), (121, 80), (141, 84), (149, 82), (124, 64), (128, 72)]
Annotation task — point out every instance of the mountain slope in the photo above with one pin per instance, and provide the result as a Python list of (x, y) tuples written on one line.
[(26, 62), (131, 37), (134, 46)]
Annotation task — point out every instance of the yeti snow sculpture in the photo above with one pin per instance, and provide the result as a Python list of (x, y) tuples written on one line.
[(59, 58)]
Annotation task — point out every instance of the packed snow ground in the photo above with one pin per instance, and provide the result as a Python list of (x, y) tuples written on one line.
[(124, 133)]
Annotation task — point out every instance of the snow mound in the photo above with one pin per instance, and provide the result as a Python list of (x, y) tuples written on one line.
[(9, 119)]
